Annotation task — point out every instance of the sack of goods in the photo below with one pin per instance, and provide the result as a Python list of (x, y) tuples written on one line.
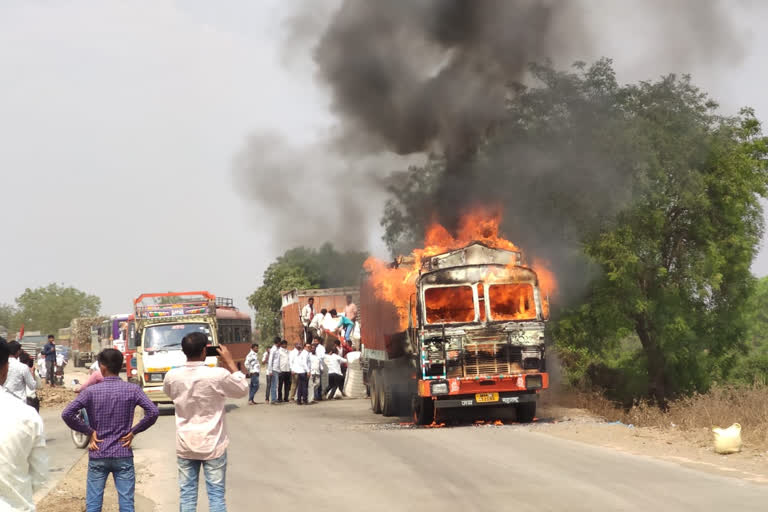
[(727, 440), (354, 387)]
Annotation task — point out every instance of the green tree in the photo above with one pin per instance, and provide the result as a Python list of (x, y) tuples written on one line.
[(751, 361), (51, 307), (304, 269), (675, 260), (9, 317), (653, 198)]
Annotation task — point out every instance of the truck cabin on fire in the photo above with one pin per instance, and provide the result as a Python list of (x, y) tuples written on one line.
[(478, 284)]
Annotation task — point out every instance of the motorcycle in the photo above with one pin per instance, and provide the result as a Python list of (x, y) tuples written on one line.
[(81, 440)]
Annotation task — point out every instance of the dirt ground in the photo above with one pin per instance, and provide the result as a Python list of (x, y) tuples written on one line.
[(693, 449), (69, 494)]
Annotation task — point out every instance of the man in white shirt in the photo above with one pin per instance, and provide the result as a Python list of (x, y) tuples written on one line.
[(307, 314), (23, 459), (323, 375), (199, 394), (301, 369), (292, 355), (316, 325), (273, 364), (253, 367), (314, 372), (284, 367), (266, 360), (331, 321), (19, 375), (333, 362)]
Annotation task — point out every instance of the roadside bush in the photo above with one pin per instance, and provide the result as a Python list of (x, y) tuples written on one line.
[(719, 407)]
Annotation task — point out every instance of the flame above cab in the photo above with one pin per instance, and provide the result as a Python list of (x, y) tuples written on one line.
[(395, 283)]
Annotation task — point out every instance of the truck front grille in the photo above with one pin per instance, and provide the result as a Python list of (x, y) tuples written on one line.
[(484, 354)]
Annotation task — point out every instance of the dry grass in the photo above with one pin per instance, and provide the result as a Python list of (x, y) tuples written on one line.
[(720, 407)]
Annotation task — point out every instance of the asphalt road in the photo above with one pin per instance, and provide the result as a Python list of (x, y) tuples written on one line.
[(338, 456), (62, 453)]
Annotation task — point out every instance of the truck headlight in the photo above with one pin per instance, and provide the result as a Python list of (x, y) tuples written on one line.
[(533, 382), (439, 388)]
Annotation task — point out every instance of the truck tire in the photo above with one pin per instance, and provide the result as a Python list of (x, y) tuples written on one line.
[(525, 412), (423, 410), (375, 397), (388, 406)]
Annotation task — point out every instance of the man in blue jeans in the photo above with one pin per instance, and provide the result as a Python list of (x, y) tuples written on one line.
[(110, 406), (199, 393)]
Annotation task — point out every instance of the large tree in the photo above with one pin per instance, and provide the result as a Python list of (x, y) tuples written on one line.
[(646, 200), (301, 268), (51, 307)]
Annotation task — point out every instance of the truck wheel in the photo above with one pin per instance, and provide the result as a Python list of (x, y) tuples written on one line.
[(423, 410), (375, 397), (525, 412), (388, 401)]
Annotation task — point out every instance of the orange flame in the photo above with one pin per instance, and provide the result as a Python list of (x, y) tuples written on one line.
[(396, 285)]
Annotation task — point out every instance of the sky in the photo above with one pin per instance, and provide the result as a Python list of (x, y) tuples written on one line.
[(120, 122)]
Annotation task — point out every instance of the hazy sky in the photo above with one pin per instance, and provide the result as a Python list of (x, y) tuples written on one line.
[(119, 122)]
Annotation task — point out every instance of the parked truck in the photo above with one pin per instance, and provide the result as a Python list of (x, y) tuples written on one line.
[(474, 337), (162, 320), (84, 340)]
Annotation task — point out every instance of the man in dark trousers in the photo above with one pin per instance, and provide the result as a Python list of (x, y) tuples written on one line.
[(49, 351), (110, 405)]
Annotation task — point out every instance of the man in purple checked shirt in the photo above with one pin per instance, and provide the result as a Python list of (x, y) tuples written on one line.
[(110, 405)]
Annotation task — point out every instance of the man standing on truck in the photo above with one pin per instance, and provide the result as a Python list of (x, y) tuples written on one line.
[(199, 393), (307, 314), (49, 351)]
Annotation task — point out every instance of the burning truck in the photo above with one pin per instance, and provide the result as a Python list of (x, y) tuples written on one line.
[(456, 325)]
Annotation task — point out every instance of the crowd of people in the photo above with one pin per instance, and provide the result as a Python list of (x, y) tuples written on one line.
[(307, 373), (316, 324), (315, 367), (104, 409)]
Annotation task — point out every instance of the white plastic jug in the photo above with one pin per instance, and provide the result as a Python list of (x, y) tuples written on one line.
[(727, 440)]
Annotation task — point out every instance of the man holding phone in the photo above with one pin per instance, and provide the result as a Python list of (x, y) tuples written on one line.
[(199, 394)]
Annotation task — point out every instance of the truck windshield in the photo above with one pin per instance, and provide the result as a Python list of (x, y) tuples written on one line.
[(512, 301), (449, 304), (168, 336)]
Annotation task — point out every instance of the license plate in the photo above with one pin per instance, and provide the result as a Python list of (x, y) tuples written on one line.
[(487, 397)]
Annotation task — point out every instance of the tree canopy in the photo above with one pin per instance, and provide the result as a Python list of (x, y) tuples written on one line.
[(645, 198), (302, 268), (51, 307)]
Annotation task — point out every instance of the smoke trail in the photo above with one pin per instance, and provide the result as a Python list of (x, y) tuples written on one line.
[(419, 76)]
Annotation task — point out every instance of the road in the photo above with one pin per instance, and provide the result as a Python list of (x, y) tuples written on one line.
[(338, 456), (62, 453)]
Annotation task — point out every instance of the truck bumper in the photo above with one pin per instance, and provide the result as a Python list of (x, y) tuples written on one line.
[(502, 384), (157, 395), (508, 398)]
